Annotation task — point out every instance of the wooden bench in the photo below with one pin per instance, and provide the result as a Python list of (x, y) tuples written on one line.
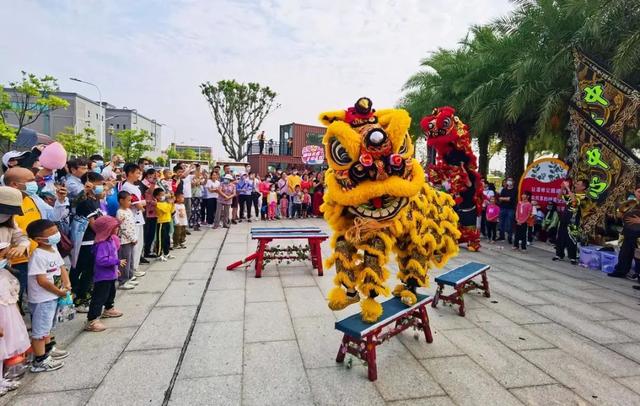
[(264, 235), (361, 339), (461, 279)]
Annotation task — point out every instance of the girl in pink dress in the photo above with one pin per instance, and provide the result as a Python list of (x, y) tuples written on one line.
[(523, 212)]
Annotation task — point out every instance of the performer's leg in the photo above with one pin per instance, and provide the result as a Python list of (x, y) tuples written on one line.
[(371, 281), (344, 293)]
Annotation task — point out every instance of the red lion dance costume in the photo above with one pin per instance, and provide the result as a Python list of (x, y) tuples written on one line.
[(456, 163)]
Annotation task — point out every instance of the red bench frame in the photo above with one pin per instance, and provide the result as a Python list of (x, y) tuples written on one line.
[(463, 286)]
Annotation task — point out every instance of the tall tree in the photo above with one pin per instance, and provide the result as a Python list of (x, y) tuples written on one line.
[(133, 144), (189, 154), (30, 98), (238, 110), (83, 144)]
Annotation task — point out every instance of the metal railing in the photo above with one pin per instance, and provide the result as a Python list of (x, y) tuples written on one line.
[(273, 148)]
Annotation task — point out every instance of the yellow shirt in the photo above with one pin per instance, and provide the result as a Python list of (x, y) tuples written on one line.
[(293, 181), (163, 210), (30, 213)]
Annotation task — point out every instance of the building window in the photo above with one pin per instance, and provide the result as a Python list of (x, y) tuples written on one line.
[(314, 139), (124, 126), (88, 113), (97, 117), (118, 126)]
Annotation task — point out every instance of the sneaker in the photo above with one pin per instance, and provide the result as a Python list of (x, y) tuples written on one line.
[(632, 276), (126, 286), (170, 256), (162, 258), (94, 326), (143, 260), (225, 226), (46, 365), (188, 232), (248, 220), (133, 278), (82, 308), (574, 262), (111, 313), (557, 258), (58, 354), (3, 391), (233, 222), (9, 385), (133, 283), (139, 274), (182, 246)]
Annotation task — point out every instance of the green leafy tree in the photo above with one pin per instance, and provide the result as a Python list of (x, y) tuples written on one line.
[(189, 154), (205, 156), (238, 110), (172, 153), (133, 144), (160, 161), (83, 144), (29, 99), (7, 132)]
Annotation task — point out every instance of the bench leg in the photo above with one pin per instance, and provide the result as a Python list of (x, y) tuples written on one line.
[(436, 297), (318, 251), (460, 298), (485, 285), (260, 257), (426, 327), (343, 349), (244, 261), (371, 359)]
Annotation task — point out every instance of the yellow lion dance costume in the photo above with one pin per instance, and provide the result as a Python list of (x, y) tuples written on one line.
[(377, 201)]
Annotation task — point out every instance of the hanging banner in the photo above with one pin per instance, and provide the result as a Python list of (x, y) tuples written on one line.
[(313, 155), (543, 178), (609, 102)]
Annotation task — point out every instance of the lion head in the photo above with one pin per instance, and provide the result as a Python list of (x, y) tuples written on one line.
[(372, 172), (443, 127)]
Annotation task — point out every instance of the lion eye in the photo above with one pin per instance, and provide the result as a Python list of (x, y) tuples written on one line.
[(431, 125), (403, 149), (339, 153), (446, 122)]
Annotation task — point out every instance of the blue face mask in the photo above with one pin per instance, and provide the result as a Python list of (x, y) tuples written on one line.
[(31, 188), (97, 169), (54, 239), (100, 164), (98, 189), (3, 263)]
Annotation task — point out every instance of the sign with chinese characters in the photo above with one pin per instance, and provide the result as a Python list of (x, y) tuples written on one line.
[(313, 155), (543, 178)]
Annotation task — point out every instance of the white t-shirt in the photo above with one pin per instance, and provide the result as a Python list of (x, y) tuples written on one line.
[(211, 184), (43, 262), (136, 196), (180, 216), (186, 186)]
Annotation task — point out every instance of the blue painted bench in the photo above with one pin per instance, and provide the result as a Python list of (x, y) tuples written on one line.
[(264, 235), (361, 339), (461, 279)]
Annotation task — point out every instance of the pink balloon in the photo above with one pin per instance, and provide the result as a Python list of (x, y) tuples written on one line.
[(53, 156)]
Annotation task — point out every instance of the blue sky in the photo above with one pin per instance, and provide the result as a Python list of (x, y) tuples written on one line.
[(152, 55)]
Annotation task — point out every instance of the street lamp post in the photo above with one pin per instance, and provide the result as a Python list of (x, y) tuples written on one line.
[(102, 129)]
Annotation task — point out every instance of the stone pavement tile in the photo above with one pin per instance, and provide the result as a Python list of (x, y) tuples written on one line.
[(546, 395), (516, 280), (579, 293), (629, 297), (267, 321), (400, 375), (214, 349), (264, 290), (505, 365), (62, 398), (223, 279), (135, 308), (577, 323), (137, 378), (183, 293), (487, 318), (297, 279), (306, 302), (238, 238), (447, 318), (513, 311), (430, 401), (222, 305), (586, 310), (627, 327), (631, 382), (237, 249), (274, 375), (630, 350), (582, 379), (153, 282), (194, 270), (517, 337), (440, 347), (170, 265), (225, 260), (468, 384), (207, 254), (340, 386), (165, 327), (595, 355), (318, 340), (213, 390), (83, 351), (625, 311), (514, 293)]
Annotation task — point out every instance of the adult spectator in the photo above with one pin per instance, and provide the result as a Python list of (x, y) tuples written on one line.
[(261, 142), (290, 146), (570, 221), (109, 172), (99, 161), (151, 217), (77, 168), (133, 173), (211, 201), (507, 200), (630, 235), (245, 191), (270, 149), (255, 195), (144, 164), (187, 180)]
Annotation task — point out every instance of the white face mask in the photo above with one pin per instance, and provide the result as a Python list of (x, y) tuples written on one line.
[(4, 217)]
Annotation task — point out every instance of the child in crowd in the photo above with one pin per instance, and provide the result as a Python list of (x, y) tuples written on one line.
[(550, 224), (164, 210), (14, 338), (128, 238), (284, 206), (297, 202), (226, 194), (523, 214), (492, 215), (306, 203), (105, 273), (272, 201), (48, 281), (180, 222)]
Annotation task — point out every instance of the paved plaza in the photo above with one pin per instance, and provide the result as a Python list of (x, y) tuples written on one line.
[(196, 334)]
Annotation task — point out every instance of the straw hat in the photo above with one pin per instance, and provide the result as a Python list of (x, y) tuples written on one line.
[(10, 200)]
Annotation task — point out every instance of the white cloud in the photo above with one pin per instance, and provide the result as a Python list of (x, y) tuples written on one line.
[(152, 55)]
